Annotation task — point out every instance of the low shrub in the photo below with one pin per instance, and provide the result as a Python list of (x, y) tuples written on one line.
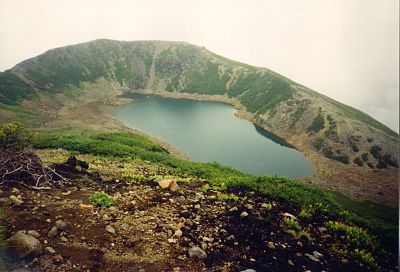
[(14, 135), (292, 223), (364, 257), (353, 234), (228, 197), (358, 161), (317, 124), (101, 199)]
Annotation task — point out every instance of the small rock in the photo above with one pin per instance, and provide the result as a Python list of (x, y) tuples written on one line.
[(86, 207), (61, 225), (290, 262), (125, 226), (267, 206), (57, 259), (53, 232), (197, 252), (167, 184), (289, 215), (197, 206), (107, 218), (17, 201), (234, 209), (63, 239), (172, 241), (300, 244), (185, 214), (270, 245), (34, 233), (311, 257), (248, 270), (244, 214), (110, 229), (15, 191), (21, 245), (4, 202), (322, 229), (231, 238), (178, 234), (49, 250), (317, 255)]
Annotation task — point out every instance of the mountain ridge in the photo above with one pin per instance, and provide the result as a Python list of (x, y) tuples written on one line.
[(327, 131)]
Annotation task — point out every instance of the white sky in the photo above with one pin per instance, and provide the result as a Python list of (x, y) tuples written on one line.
[(346, 49)]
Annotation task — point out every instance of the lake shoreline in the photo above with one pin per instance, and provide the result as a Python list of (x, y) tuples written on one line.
[(356, 183), (328, 174), (250, 149)]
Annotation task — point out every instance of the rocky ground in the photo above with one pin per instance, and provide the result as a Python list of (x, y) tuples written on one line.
[(161, 225)]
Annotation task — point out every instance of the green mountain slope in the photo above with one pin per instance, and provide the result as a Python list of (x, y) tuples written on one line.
[(300, 115)]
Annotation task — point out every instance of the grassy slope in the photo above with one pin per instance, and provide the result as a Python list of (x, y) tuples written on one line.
[(131, 147)]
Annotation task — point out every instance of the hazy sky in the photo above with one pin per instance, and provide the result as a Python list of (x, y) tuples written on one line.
[(346, 49)]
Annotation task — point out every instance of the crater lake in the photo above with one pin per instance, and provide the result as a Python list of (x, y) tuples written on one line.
[(209, 131)]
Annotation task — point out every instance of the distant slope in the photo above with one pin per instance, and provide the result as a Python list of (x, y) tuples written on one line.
[(305, 118)]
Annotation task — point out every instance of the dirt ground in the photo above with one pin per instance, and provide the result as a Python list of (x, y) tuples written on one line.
[(146, 220)]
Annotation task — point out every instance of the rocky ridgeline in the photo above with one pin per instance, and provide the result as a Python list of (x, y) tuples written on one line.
[(163, 225)]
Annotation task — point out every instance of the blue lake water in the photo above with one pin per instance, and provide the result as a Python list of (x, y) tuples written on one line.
[(209, 131)]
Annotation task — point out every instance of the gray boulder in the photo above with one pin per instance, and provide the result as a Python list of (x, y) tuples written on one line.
[(197, 252), (21, 245), (61, 225)]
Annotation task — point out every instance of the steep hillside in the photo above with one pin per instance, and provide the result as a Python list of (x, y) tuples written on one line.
[(336, 137)]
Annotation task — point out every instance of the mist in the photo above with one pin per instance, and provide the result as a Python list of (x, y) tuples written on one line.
[(347, 50)]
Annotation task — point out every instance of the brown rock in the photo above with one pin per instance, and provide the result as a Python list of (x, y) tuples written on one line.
[(270, 245), (57, 259), (85, 207), (167, 184)]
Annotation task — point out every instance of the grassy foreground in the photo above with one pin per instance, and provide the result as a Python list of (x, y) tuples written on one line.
[(134, 148)]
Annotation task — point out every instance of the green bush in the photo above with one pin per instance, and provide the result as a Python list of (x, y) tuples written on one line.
[(305, 212), (228, 197), (353, 234), (376, 151), (14, 135), (292, 223), (364, 157), (365, 257), (101, 199), (317, 123), (358, 161)]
